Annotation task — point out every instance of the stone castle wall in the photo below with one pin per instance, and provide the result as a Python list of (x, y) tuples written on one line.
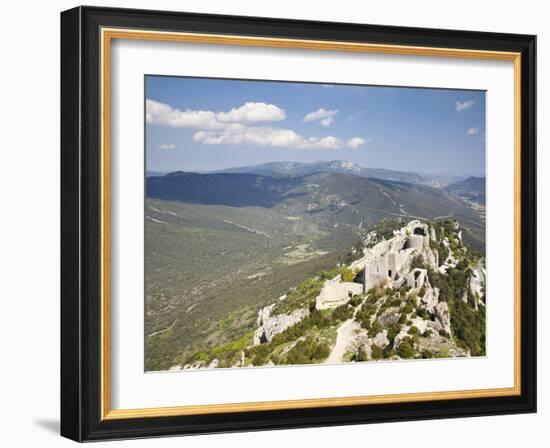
[(387, 261)]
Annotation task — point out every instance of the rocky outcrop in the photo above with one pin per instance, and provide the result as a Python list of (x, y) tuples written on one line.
[(421, 324), (439, 345), (390, 316), (477, 282), (400, 336), (431, 298), (433, 236), (215, 363), (269, 326), (381, 339), (443, 316), (195, 365)]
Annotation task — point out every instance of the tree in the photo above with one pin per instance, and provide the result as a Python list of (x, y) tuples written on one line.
[(361, 355), (308, 351), (408, 308), (393, 331), (376, 352), (347, 274), (405, 349), (375, 328), (343, 312)]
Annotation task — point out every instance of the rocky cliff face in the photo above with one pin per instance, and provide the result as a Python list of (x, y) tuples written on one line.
[(269, 326)]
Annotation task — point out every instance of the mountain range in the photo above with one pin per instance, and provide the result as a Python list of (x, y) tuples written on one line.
[(293, 169), (327, 198), (471, 188), (342, 166), (221, 245)]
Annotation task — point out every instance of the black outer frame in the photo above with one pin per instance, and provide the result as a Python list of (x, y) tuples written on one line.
[(80, 223)]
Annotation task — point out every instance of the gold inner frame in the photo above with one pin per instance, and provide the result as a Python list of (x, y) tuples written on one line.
[(107, 35)]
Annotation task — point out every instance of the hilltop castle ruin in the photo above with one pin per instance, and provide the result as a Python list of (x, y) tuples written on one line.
[(388, 263)]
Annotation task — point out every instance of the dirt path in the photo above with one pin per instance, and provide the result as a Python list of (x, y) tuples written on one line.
[(155, 333), (191, 308), (346, 334)]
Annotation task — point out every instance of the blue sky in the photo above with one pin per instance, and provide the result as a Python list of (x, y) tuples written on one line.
[(195, 124)]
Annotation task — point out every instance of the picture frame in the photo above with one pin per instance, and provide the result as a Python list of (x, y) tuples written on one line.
[(86, 238)]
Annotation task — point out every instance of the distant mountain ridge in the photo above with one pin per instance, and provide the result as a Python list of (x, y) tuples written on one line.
[(472, 188), (329, 198), (232, 189), (470, 184), (283, 168)]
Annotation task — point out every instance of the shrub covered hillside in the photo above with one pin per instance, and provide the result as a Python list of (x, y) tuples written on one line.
[(413, 290)]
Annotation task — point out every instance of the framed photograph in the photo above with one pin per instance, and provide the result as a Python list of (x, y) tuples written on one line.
[(273, 223)]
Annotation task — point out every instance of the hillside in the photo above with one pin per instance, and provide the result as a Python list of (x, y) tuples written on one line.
[(208, 268), (327, 199), (415, 292), (472, 189), (221, 246), (237, 190)]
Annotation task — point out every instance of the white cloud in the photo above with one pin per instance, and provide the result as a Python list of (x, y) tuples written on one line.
[(166, 146), (319, 115), (263, 136), (326, 122), (274, 137), (463, 105), (163, 114), (253, 113), (472, 131), (242, 125), (356, 142)]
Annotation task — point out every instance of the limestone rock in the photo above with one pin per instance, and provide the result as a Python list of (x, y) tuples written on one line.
[(390, 316), (264, 314), (400, 336), (477, 282), (438, 344), (215, 363), (195, 365), (442, 315), (381, 339), (421, 324), (430, 299), (270, 325)]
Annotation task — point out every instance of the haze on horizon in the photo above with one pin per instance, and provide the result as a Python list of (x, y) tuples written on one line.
[(197, 124)]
